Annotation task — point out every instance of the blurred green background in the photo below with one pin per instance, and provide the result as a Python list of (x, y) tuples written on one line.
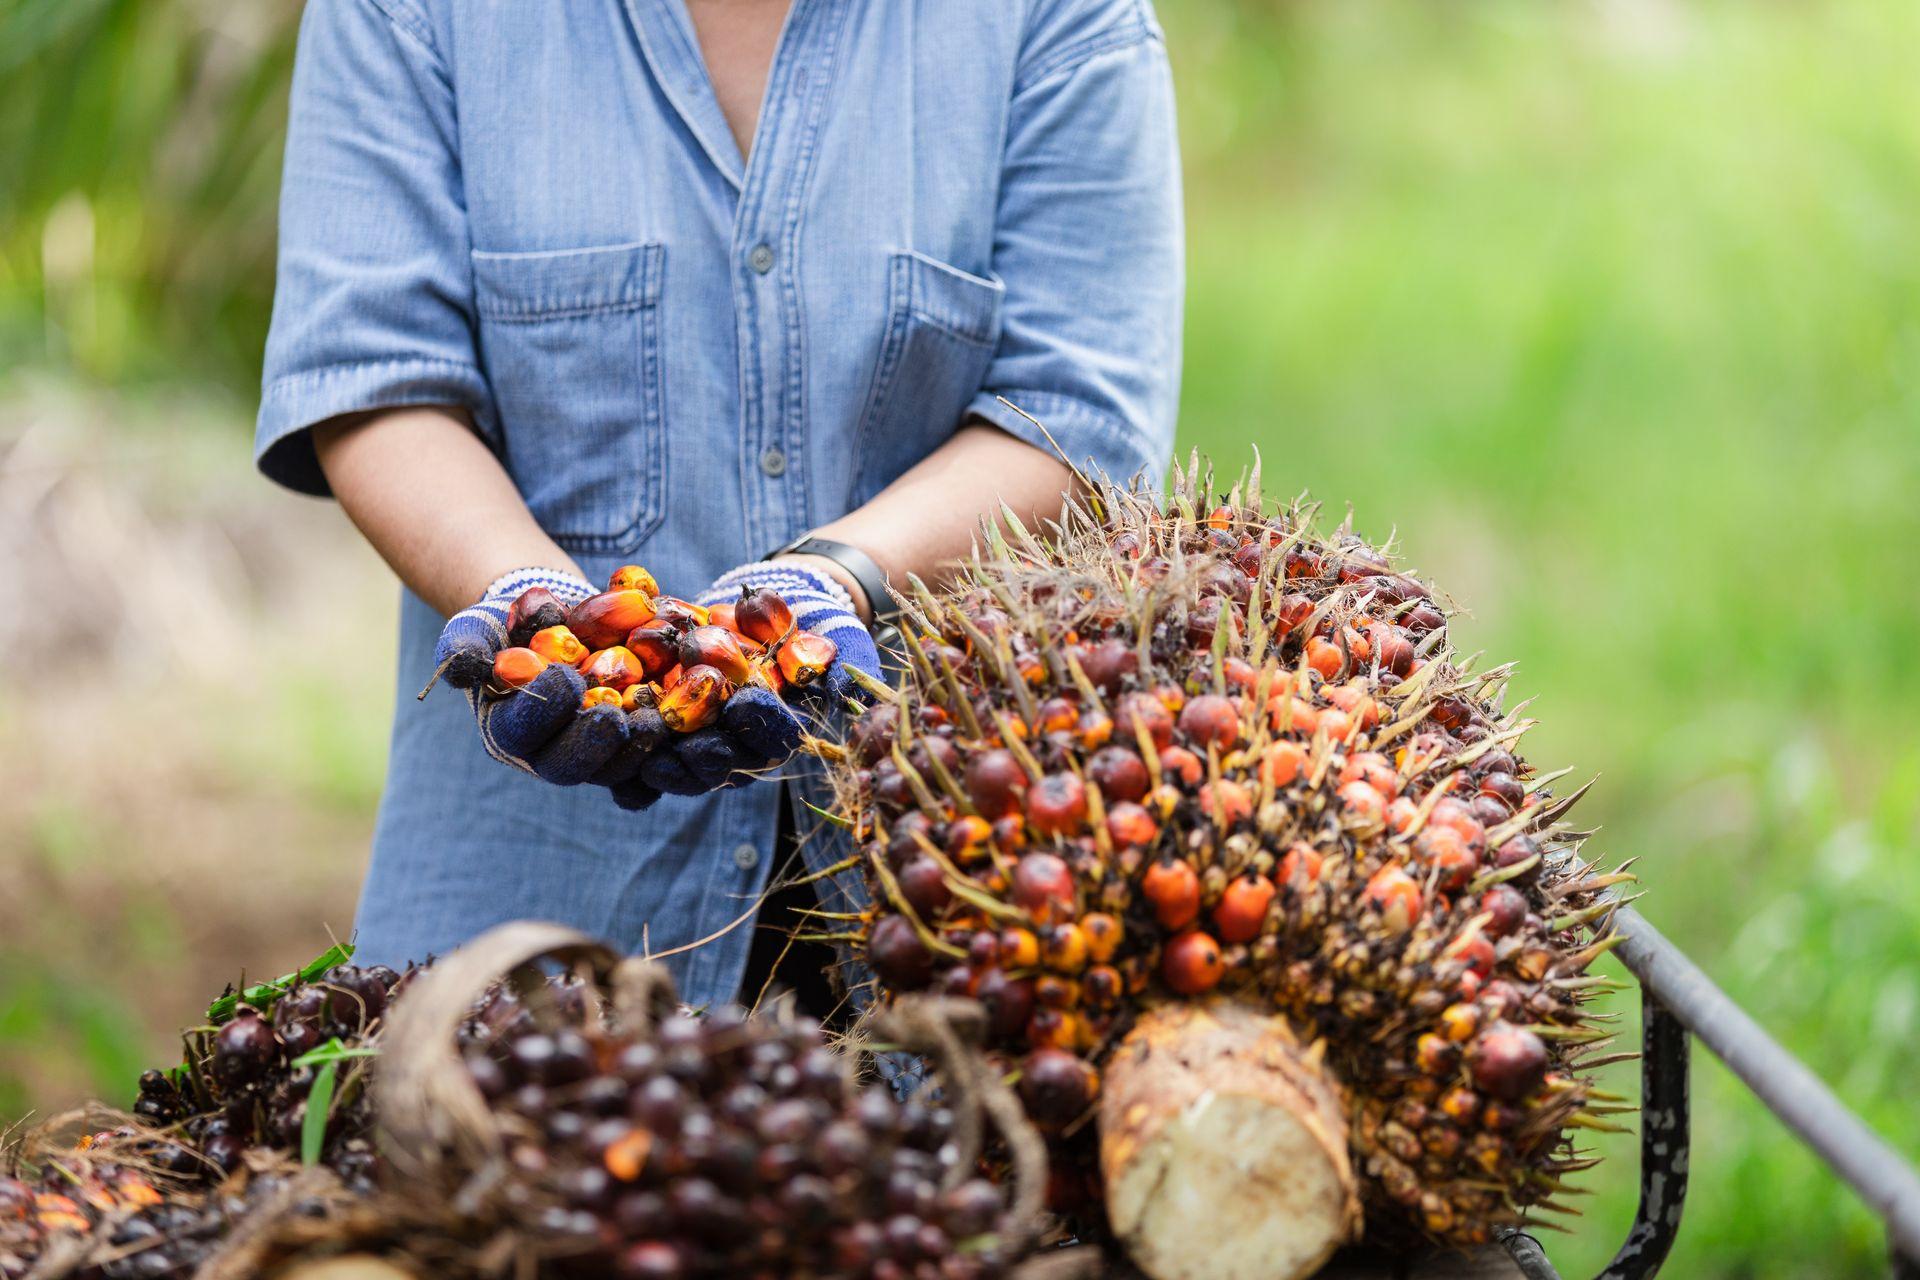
[(1613, 309)]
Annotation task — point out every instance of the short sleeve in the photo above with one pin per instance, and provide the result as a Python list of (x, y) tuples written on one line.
[(373, 304), (1089, 245)]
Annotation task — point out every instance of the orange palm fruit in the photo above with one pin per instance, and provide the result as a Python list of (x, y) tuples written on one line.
[(1191, 963), (604, 620), (681, 613), (656, 644), (762, 615), (631, 577), (1065, 948), (766, 671), (616, 668), (1325, 657), (1243, 908), (1396, 896), (695, 699), (1173, 887), (1103, 933), (805, 657), (600, 696), (1019, 948), (635, 696), (534, 609), (559, 644), (515, 667), (1282, 763), (721, 615), (1302, 860), (1227, 801), (715, 647)]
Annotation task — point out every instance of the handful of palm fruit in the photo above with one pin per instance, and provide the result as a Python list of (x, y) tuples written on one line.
[(639, 649)]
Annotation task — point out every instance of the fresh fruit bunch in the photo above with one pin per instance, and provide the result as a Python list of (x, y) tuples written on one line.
[(249, 1075), (48, 1205), (722, 1145), (670, 662), (1190, 749)]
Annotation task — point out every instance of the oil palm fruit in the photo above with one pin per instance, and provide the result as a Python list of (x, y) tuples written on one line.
[(1238, 757)]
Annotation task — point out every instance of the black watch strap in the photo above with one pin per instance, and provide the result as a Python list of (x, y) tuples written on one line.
[(873, 582)]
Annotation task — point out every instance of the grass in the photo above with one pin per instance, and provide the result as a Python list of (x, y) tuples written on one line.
[(1614, 309)]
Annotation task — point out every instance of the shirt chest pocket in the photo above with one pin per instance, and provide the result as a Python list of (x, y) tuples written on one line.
[(942, 327), (571, 344)]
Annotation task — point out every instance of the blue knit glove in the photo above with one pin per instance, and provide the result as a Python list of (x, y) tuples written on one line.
[(541, 729)]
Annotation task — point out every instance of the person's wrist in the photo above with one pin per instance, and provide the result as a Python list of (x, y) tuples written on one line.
[(862, 607)]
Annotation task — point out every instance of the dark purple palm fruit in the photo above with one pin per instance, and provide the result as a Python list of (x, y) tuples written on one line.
[(244, 1050)]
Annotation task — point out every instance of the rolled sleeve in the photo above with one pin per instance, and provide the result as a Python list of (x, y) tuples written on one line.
[(373, 304), (1089, 243)]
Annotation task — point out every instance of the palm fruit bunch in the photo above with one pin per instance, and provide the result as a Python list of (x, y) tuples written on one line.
[(658, 655), (723, 1145), (1187, 749), (246, 1079)]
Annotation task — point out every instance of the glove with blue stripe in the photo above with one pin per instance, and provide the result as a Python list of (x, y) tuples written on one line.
[(541, 729)]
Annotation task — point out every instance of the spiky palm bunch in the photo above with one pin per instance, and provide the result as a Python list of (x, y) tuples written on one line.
[(1175, 748)]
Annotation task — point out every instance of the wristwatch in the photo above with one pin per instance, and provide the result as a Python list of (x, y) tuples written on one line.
[(872, 580)]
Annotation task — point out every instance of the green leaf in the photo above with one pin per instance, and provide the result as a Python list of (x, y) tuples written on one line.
[(313, 1129), (334, 1050), (262, 995)]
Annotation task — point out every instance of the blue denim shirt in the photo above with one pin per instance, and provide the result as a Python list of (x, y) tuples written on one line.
[(534, 209)]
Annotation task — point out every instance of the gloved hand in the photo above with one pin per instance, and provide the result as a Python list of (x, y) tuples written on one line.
[(542, 729)]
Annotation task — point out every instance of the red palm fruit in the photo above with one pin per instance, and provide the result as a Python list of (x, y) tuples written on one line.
[(1183, 765), (613, 668), (1446, 851), (967, 838), (1118, 772), (996, 783), (1057, 805), (898, 956), (1503, 787), (1508, 1062), (1107, 663), (1293, 715), (1043, 886), (762, 615), (1400, 814), (1475, 952), (1102, 987), (1336, 724), (1241, 674), (1371, 768), (604, 620), (1103, 933), (1364, 806), (1423, 619), (1008, 1001), (631, 577), (1325, 657), (924, 887), (1191, 963), (1130, 826), (1095, 731), (718, 648), (657, 645), (805, 657), (1173, 887), (1452, 814), (1354, 699), (1394, 648), (515, 667), (1211, 720), (1019, 948), (534, 609), (1290, 611), (1516, 850), (1056, 1087), (1300, 866), (599, 696), (1281, 763), (1056, 715), (1248, 557), (1242, 909), (1506, 909), (1064, 948), (695, 699), (1142, 711), (1396, 896), (1359, 648), (1010, 833), (681, 613), (558, 644), (1302, 563), (1226, 801)]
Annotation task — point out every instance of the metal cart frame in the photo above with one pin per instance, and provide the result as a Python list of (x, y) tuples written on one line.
[(1680, 1003)]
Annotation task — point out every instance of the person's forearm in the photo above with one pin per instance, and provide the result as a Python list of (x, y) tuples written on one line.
[(434, 502), (925, 521)]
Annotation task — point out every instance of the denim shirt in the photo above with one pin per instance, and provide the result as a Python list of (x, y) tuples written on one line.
[(535, 210)]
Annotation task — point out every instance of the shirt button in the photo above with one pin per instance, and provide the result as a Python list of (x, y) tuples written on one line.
[(745, 856), (774, 463), (761, 258)]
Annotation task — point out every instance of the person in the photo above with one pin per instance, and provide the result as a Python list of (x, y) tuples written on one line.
[(677, 282)]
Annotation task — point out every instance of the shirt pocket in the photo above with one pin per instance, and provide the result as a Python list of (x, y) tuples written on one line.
[(571, 345), (942, 327)]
